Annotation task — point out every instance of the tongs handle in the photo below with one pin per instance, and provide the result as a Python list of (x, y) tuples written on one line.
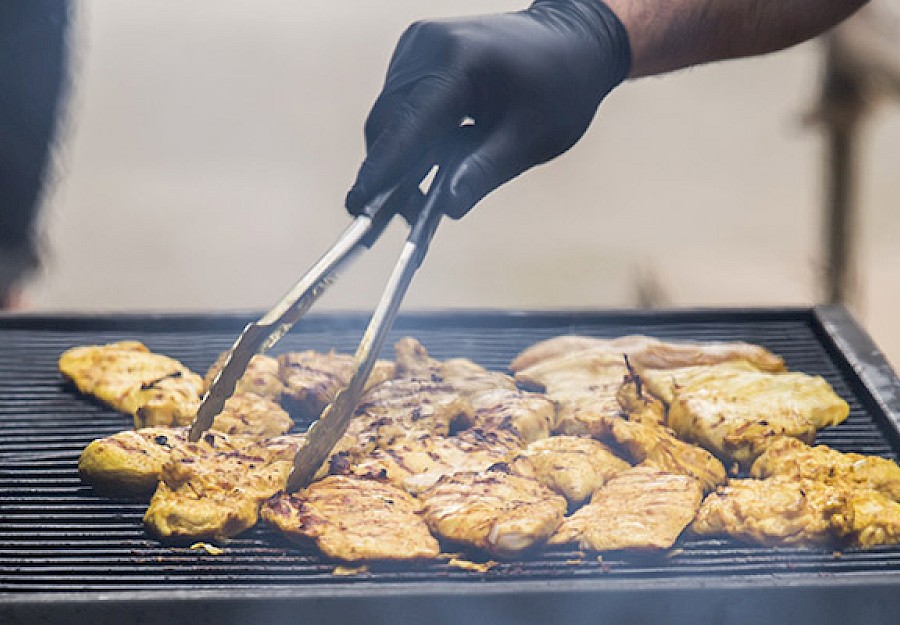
[(262, 334), (324, 434)]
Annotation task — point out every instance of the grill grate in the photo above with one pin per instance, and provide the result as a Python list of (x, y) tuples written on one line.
[(57, 538)]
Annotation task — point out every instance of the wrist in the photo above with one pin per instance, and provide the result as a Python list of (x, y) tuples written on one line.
[(607, 29)]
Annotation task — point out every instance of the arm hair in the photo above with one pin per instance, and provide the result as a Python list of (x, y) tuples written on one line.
[(667, 35)]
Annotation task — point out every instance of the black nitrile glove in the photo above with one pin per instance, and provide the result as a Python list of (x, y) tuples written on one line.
[(530, 80)]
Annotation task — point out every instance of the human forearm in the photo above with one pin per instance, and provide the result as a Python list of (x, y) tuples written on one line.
[(666, 35)]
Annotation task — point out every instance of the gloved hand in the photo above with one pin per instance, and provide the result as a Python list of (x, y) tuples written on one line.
[(530, 80)]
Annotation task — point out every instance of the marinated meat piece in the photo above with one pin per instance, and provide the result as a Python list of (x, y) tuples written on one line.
[(416, 464), (584, 385), (351, 519), (407, 407), (130, 462), (180, 515), (649, 352), (737, 414), (500, 513), (643, 508), (170, 401), (496, 401), (866, 519), (775, 511), (213, 497), (280, 447), (572, 466), (413, 361), (249, 415), (468, 377), (587, 415), (577, 371), (585, 376), (663, 383), (472, 379), (790, 457), (530, 415), (312, 379), (262, 377), (639, 404), (155, 389), (656, 444)]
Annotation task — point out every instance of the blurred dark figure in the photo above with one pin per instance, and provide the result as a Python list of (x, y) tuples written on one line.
[(32, 78)]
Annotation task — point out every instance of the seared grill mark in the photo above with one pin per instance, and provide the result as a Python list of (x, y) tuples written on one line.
[(146, 386)]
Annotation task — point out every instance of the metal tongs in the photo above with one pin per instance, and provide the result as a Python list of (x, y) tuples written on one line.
[(261, 335)]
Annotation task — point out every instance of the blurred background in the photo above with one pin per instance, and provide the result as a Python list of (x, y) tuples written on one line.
[(207, 146)]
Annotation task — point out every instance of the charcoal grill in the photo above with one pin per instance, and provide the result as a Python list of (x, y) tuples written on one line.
[(69, 556)]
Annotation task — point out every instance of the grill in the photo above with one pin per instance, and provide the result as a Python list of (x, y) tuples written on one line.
[(69, 556)]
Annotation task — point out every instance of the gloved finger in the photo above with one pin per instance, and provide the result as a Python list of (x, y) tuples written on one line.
[(432, 109), (407, 67), (381, 113), (446, 153), (407, 198), (482, 160)]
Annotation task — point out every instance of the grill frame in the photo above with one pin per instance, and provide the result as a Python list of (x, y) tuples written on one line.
[(867, 592)]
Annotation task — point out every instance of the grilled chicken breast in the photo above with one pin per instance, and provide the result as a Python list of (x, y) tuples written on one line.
[(572, 466), (532, 416), (262, 377), (417, 463), (249, 415), (312, 379), (643, 508), (775, 511), (866, 518), (500, 513), (736, 414), (663, 383), (584, 386), (352, 519), (649, 352), (495, 400), (155, 389), (130, 462), (786, 510), (792, 458), (638, 403), (468, 377), (217, 496), (585, 375), (652, 443), (404, 408)]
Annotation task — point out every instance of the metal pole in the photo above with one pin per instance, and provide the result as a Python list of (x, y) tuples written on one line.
[(842, 106)]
